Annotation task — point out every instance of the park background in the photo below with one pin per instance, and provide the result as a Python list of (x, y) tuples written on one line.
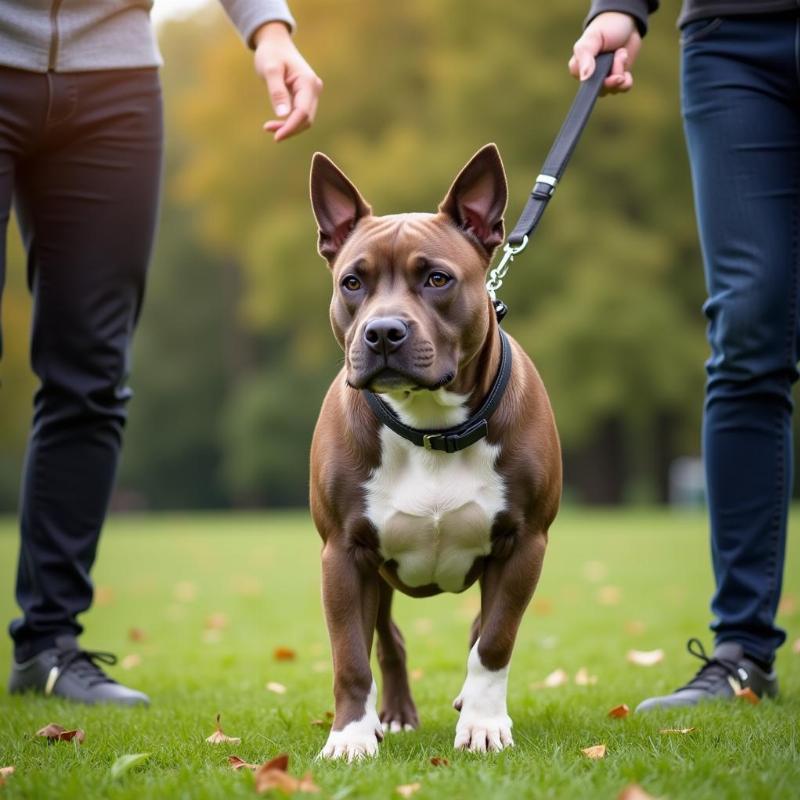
[(234, 350)]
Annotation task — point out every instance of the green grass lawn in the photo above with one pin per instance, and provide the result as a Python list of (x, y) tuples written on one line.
[(612, 581)]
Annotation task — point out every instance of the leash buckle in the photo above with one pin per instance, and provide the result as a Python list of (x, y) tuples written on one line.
[(499, 272)]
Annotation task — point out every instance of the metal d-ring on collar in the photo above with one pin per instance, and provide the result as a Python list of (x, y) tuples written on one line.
[(459, 437)]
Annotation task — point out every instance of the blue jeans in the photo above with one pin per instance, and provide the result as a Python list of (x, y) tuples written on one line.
[(741, 110)]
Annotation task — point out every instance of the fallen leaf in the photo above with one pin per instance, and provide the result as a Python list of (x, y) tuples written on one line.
[(748, 695), (284, 654), (407, 789), (796, 647), (645, 658), (57, 733), (542, 606), (595, 751), (280, 762), (131, 661), (127, 762), (680, 731), (595, 571), (4, 773), (306, 784), (583, 678), (137, 635), (787, 605), (557, 678), (609, 595), (216, 621), (417, 674), (269, 779), (240, 763), (618, 712), (634, 792), (439, 761), (219, 737), (185, 592), (274, 686), (325, 722), (103, 595), (635, 627)]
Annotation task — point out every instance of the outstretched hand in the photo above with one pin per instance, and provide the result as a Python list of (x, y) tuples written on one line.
[(293, 86), (610, 31)]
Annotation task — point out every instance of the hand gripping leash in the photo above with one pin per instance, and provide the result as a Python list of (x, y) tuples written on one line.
[(547, 180)]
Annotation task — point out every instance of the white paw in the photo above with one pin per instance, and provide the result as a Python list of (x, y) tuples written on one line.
[(396, 726), (483, 725), (358, 739), (483, 734)]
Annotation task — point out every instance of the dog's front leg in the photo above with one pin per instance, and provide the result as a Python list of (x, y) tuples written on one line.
[(350, 595), (506, 590)]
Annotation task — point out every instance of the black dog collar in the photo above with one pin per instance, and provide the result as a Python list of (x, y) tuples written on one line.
[(459, 437)]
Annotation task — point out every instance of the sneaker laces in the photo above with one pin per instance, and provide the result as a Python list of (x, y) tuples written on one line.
[(715, 671), (84, 664)]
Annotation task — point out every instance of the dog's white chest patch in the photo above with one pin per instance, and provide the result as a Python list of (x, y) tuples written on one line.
[(434, 511)]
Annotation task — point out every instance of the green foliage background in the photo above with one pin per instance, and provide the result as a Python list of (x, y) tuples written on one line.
[(234, 351)]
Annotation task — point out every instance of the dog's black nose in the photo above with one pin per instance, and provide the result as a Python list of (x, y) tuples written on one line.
[(385, 334)]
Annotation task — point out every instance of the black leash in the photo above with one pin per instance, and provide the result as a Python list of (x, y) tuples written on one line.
[(546, 182), (459, 437)]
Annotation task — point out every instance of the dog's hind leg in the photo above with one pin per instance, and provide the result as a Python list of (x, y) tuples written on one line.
[(398, 712)]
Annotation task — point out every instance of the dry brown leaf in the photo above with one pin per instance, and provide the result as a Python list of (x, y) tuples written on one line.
[(796, 647), (635, 627), (269, 779), (281, 762), (555, 679), (274, 686), (583, 678), (619, 712), (4, 773), (240, 763), (417, 674), (137, 635), (217, 621), (645, 658), (284, 654), (325, 722), (440, 761), (595, 751), (103, 595), (634, 792), (306, 784), (748, 695), (787, 605), (57, 733), (131, 661), (609, 595), (680, 731), (407, 789), (542, 606), (219, 737)]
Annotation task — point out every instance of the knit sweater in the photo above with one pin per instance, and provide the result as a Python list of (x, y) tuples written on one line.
[(88, 35)]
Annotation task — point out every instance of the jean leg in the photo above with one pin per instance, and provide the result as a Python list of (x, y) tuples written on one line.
[(740, 105), (87, 206)]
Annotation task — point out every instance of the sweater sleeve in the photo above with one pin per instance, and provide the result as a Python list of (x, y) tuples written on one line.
[(249, 15), (638, 9)]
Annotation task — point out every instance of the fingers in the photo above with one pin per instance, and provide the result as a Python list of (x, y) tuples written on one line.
[(279, 94), (303, 109), (619, 79), (582, 63)]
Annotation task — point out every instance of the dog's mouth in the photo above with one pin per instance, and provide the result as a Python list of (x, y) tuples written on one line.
[(387, 379)]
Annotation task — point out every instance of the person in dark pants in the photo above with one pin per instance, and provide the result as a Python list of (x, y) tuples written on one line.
[(741, 109), (80, 154)]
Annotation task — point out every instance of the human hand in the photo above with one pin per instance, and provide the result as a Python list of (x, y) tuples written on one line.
[(609, 31), (293, 86)]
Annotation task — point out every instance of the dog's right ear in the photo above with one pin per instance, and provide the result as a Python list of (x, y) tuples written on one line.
[(337, 205)]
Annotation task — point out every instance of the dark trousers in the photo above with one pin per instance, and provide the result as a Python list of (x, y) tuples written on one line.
[(80, 154), (741, 108)]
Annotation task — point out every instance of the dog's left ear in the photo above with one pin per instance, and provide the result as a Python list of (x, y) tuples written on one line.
[(337, 204), (477, 199)]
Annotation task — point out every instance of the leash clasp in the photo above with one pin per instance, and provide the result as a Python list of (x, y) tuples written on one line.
[(499, 272)]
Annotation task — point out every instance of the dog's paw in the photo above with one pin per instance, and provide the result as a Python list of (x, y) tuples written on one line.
[(399, 716), (482, 734), (356, 740)]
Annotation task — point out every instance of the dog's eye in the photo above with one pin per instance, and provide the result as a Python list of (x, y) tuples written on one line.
[(438, 280), (351, 283)]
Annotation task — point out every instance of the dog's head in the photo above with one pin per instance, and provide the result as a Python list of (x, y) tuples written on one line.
[(409, 306)]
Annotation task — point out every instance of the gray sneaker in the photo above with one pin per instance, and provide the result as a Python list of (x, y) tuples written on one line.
[(67, 671), (722, 676)]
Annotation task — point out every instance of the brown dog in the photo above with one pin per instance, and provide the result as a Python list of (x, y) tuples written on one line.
[(411, 311)]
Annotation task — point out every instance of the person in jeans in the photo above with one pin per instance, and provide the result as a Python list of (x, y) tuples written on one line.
[(740, 93), (80, 154)]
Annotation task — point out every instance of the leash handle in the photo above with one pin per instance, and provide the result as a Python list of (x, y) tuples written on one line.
[(552, 170)]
